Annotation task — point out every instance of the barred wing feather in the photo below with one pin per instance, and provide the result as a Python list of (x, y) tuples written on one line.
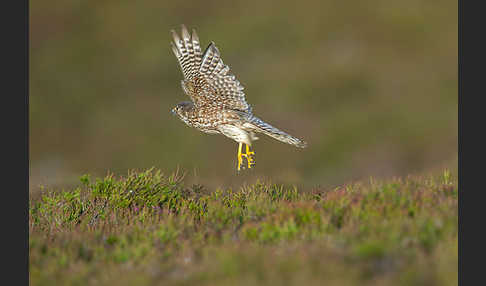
[(207, 80)]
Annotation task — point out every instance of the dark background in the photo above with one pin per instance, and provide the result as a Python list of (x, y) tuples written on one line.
[(371, 86)]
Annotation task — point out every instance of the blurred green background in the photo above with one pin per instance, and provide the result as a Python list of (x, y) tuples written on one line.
[(370, 85)]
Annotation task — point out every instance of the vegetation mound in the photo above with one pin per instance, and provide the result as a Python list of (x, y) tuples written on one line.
[(149, 229)]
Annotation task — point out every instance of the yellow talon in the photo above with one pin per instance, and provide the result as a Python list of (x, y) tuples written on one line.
[(239, 156), (248, 151), (249, 157)]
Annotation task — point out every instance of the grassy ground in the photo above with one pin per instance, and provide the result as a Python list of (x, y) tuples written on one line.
[(149, 229)]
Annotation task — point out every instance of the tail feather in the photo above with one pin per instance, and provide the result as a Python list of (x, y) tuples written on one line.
[(276, 133)]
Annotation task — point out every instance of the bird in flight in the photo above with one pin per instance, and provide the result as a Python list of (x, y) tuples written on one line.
[(218, 104)]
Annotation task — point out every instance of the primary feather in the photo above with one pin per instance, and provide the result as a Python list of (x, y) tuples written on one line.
[(207, 80)]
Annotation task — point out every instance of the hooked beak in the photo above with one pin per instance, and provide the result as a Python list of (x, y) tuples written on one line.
[(173, 112)]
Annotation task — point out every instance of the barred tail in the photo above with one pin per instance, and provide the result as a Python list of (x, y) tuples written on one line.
[(271, 131)]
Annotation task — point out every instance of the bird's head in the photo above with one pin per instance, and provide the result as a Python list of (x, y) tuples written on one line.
[(182, 109)]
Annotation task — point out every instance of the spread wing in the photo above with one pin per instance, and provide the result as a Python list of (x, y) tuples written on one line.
[(207, 80)]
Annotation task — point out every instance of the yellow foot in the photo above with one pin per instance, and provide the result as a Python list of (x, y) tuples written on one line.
[(249, 157), (240, 159)]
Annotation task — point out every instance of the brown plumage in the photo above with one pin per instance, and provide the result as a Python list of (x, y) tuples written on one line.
[(218, 102)]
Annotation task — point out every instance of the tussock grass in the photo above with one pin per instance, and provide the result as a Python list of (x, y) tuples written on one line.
[(149, 229)]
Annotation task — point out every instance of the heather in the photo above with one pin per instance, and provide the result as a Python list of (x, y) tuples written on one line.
[(150, 228)]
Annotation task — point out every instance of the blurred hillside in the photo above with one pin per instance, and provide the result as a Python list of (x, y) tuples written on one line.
[(371, 86)]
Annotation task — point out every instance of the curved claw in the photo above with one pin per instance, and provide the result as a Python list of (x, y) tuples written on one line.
[(249, 155)]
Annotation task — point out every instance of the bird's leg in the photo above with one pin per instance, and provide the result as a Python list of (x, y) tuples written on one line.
[(249, 157), (239, 156)]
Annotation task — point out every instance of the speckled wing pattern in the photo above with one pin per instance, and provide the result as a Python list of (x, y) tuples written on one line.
[(207, 80)]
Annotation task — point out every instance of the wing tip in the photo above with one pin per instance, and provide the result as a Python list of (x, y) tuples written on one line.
[(213, 47), (175, 36), (195, 37), (185, 34), (175, 50)]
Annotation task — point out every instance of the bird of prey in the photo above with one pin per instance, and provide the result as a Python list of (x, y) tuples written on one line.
[(218, 104)]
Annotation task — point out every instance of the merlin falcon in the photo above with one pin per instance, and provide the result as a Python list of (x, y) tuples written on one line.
[(218, 104)]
